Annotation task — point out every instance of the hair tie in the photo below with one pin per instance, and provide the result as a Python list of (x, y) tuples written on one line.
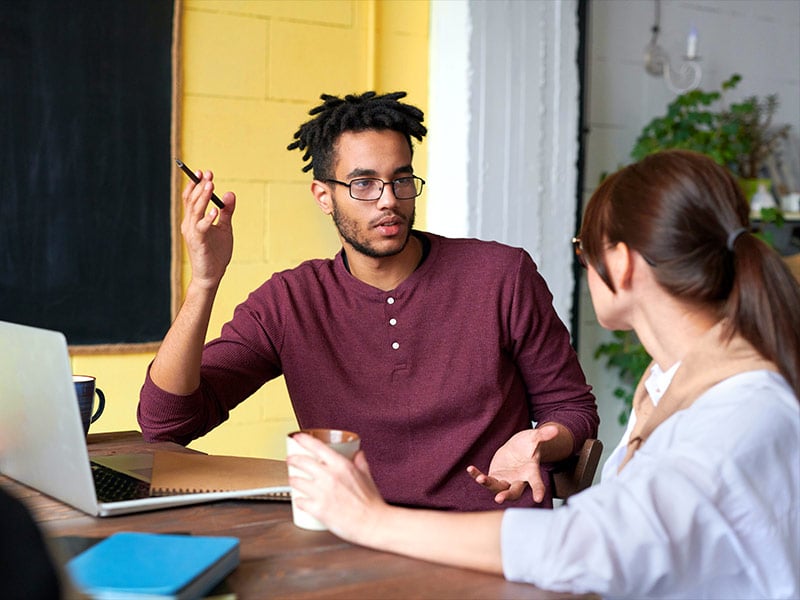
[(733, 236)]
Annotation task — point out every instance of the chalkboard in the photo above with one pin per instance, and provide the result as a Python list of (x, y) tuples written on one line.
[(85, 161)]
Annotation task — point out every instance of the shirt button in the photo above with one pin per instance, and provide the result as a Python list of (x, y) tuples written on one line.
[(390, 300), (392, 321), (395, 345)]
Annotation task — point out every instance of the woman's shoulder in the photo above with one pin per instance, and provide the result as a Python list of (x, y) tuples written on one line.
[(743, 410), (746, 427), (752, 393)]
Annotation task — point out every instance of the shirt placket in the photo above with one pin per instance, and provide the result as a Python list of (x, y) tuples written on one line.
[(392, 319)]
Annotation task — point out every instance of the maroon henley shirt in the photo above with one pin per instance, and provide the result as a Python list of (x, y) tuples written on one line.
[(434, 375)]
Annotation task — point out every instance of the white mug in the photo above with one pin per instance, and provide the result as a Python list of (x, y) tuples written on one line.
[(345, 443)]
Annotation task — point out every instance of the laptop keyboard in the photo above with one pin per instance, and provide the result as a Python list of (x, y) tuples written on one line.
[(113, 486)]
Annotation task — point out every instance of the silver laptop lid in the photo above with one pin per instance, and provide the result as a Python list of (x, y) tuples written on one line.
[(42, 443)]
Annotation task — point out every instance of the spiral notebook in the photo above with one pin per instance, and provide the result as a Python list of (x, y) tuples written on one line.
[(184, 473)]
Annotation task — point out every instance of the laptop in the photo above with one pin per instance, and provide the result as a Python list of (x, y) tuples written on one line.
[(42, 443)]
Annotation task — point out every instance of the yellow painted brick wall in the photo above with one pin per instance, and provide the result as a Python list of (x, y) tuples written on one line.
[(250, 71)]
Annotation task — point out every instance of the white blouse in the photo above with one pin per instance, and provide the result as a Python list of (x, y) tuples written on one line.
[(706, 508)]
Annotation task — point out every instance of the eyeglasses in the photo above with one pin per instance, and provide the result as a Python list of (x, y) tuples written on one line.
[(579, 254), (368, 189), (578, 247)]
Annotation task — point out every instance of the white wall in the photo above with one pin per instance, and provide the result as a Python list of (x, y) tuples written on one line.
[(503, 135), (759, 39), (449, 118)]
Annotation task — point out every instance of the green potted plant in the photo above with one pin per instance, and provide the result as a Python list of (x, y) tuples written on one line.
[(751, 122), (739, 136), (693, 123)]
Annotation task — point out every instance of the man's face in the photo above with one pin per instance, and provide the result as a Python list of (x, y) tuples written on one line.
[(378, 228)]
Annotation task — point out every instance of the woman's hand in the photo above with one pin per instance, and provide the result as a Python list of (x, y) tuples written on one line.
[(343, 495), (339, 492), (515, 465)]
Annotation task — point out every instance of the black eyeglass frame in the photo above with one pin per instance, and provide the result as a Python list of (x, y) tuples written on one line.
[(576, 246), (419, 183)]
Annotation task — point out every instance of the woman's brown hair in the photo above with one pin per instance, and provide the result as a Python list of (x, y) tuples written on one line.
[(688, 218)]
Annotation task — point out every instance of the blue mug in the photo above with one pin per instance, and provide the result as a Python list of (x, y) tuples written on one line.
[(86, 388)]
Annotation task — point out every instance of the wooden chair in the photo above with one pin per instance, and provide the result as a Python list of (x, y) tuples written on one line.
[(794, 265), (571, 481)]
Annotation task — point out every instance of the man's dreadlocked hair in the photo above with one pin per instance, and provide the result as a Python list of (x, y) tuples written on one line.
[(353, 113)]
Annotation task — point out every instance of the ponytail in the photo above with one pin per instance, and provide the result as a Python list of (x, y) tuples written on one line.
[(764, 305)]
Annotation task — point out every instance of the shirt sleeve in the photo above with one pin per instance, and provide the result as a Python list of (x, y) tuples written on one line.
[(556, 385), (165, 417), (234, 366), (622, 539)]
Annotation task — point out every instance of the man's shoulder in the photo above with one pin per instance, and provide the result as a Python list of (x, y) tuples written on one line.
[(313, 268), (310, 266), (475, 247)]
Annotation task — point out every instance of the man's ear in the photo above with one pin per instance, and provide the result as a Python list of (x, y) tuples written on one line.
[(322, 194)]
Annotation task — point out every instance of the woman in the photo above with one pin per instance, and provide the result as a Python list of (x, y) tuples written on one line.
[(701, 497)]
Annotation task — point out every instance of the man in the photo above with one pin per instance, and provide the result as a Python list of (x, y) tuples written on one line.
[(436, 351)]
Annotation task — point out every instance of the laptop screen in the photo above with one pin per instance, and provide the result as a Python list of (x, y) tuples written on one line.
[(42, 443)]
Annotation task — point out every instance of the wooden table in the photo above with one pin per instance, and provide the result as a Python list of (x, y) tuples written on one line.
[(278, 560)]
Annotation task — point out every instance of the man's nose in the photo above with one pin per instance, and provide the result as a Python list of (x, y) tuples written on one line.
[(387, 199)]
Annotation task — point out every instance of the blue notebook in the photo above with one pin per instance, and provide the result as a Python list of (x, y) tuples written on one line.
[(153, 565)]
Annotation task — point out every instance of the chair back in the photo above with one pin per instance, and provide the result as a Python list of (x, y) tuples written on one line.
[(794, 264), (571, 481)]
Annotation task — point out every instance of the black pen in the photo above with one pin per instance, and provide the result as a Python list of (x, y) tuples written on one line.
[(194, 178)]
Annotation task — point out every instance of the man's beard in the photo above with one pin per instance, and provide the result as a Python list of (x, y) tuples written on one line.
[(348, 229)]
